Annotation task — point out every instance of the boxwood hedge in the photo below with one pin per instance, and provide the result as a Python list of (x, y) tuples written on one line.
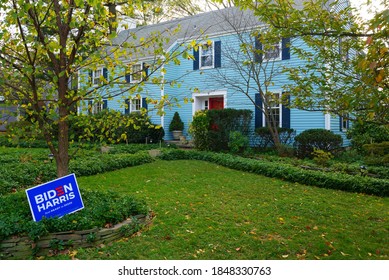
[(101, 208), (14, 176), (339, 181)]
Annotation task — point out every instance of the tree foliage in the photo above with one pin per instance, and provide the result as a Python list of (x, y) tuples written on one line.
[(47, 49), (346, 60)]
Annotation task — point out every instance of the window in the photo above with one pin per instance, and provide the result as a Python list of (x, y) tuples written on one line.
[(344, 49), (273, 52), (206, 56), (136, 73), (344, 122), (96, 76), (136, 105), (274, 110), (133, 105), (206, 104), (278, 113), (97, 107)]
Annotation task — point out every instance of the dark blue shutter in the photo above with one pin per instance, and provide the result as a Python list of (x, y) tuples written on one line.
[(258, 111), (105, 104), (285, 48), (258, 49), (144, 103), (196, 62), (286, 114), (341, 120), (218, 54), (128, 78), (145, 70), (105, 73), (127, 106)]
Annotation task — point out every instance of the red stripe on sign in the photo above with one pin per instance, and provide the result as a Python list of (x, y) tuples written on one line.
[(60, 191)]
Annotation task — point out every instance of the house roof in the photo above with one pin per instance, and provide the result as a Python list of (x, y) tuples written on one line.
[(209, 24)]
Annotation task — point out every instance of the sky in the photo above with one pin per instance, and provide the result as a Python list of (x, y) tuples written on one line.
[(366, 12)]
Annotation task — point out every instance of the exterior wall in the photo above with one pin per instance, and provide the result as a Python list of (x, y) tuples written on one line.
[(201, 83)]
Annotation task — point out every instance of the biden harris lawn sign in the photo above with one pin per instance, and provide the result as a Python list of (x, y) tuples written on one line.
[(55, 198)]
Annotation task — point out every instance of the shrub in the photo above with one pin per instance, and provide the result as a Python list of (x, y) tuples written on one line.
[(286, 136), (377, 153), (21, 175), (199, 130), (211, 129), (238, 142), (101, 208), (367, 133), (321, 139), (176, 123), (321, 157)]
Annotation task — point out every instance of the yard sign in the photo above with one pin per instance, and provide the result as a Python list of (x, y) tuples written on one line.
[(55, 198)]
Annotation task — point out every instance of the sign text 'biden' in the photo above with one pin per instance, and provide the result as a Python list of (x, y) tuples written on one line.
[(55, 198)]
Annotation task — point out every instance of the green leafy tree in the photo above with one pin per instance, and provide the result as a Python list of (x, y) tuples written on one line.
[(46, 51), (346, 69)]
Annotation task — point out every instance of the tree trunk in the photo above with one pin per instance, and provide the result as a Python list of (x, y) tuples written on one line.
[(62, 158)]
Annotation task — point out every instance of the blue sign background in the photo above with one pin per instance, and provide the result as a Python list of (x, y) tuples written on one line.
[(55, 198)]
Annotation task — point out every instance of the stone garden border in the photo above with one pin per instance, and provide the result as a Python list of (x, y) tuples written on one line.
[(22, 247)]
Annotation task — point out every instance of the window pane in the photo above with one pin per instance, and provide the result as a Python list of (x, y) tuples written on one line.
[(206, 56), (135, 105), (136, 72), (273, 52), (96, 77)]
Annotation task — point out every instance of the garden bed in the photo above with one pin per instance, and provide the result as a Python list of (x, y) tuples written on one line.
[(22, 247)]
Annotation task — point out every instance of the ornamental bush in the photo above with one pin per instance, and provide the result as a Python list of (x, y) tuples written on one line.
[(211, 129), (322, 139)]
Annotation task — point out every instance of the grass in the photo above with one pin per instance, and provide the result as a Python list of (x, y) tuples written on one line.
[(204, 211)]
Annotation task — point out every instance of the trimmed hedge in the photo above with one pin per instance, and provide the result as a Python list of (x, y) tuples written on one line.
[(286, 172), (101, 209), (21, 175)]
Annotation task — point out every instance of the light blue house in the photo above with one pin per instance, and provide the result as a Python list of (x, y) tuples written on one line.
[(223, 71)]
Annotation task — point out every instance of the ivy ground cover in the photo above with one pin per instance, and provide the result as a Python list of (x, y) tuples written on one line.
[(205, 211)]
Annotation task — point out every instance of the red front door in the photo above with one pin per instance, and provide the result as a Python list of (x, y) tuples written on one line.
[(216, 103)]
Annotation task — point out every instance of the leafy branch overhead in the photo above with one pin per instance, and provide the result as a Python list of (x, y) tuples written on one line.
[(346, 57), (47, 49)]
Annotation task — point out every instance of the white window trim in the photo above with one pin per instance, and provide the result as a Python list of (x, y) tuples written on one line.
[(130, 105), (94, 78), (213, 56), (280, 106), (276, 58), (134, 81)]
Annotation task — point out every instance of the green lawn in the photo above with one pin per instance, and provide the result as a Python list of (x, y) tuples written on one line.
[(204, 211)]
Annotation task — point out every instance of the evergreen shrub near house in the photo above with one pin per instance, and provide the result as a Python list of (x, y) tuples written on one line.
[(330, 180), (211, 130), (101, 209), (377, 153), (286, 136), (176, 124), (367, 133), (322, 139)]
